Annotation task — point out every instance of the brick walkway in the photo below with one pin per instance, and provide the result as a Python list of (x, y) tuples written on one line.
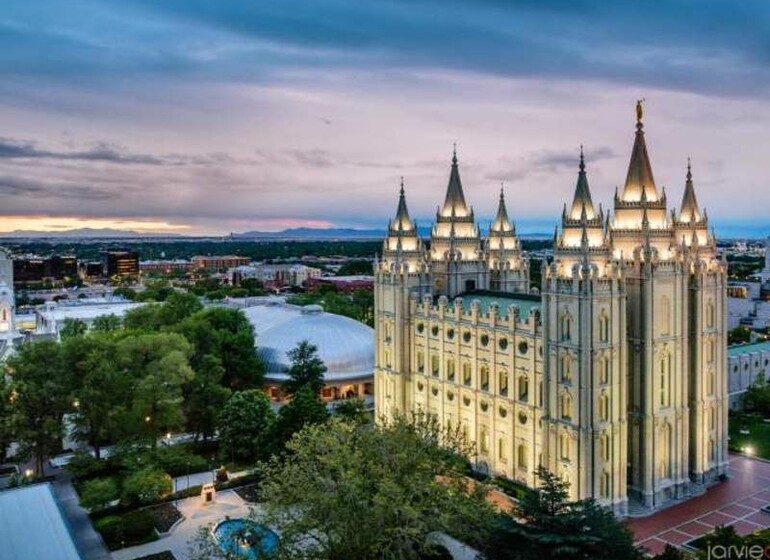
[(736, 501)]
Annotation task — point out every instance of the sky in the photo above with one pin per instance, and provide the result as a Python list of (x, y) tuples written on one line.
[(210, 117)]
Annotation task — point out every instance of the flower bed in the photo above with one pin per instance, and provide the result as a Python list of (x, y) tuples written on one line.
[(164, 516), (249, 493)]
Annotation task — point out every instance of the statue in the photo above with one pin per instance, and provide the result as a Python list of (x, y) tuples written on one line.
[(639, 111)]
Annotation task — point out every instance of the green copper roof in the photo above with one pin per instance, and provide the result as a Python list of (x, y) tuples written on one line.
[(739, 349), (524, 302)]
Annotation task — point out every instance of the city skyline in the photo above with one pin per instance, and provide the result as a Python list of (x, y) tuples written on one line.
[(201, 118)]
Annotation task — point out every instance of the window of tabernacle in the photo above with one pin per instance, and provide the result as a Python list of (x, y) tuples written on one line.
[(467, 374), (523, 388), (502, 382)]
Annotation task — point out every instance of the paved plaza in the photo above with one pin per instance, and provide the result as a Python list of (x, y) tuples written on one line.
[(736, 501), (196, 515)]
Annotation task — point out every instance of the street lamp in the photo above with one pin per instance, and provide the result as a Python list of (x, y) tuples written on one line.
[(28, 473), (748, 450)]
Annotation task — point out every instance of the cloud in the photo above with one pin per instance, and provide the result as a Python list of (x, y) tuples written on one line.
[(544, 161), (31, 189)]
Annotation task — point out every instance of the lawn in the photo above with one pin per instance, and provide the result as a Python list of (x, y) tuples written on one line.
[(758, 438)]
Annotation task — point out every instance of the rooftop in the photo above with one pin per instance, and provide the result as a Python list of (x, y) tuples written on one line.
[(740, 349), (32, 526), (524, 302)]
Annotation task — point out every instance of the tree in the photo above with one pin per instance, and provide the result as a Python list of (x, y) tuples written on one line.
[(368, 492), (125, 292), (671, 553), (244, 424), (145, 318), (178, 306), (205, 397), (72, 327), (307, 369), (102, 389), (39, 396), (159, 365), (229, 336), (739, 335), (106, 323), (757, 397), (353, 410), (556, 528), (303, 409), (146, 486), (98, 492), (6, 417)]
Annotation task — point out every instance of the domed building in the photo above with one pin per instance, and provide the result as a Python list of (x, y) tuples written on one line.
[(345, 345)]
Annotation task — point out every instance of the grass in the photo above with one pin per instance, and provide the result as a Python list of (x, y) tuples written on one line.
[(758, 438)]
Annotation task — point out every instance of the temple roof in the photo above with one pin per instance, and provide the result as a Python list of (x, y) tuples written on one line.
[(639, 178), (582, 200), (689, 211), (454, 204), (501, 223)]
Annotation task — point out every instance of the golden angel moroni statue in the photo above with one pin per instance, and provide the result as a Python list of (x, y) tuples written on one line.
[(639, 111)]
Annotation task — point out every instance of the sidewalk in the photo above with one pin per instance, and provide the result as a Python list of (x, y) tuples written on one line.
[(199, 478)]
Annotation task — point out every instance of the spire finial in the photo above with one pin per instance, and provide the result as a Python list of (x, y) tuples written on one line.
[(402, 185), (582, 159), (639, 111), (689, 169), (454, 153), (502, 187)]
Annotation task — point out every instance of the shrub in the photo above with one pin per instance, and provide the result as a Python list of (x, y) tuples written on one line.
[(98, 492), (84, 465), (146, 486), (177, 460), (130, 529)]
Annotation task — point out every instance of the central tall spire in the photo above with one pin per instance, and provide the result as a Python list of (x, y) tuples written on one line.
[(639, 178), (454, 204)]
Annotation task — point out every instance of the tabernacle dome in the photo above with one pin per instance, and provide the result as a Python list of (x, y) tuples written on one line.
[(345, 345)]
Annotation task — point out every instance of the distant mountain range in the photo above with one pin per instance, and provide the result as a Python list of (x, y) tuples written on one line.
[(81, 233), (341, 233)]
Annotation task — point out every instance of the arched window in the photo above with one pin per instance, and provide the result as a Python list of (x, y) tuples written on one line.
[(664, 312), (566, 326), (604, 370), (502, 452), (521, 457), (710, 352), (605, 447), (484, 441), (450, 370), (466, 374), (604, 407), (664, 380), (566, 369), (604, 327), (564, 447), (484, 378), (605, 489), (710, 314), (502, 382), (566, 406), (712, 451), (387, 359), (710, 382), (420, 361), (523, 388), (665, 451), (434, 365)]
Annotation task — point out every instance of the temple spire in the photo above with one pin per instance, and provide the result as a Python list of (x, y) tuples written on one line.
[(582, 205), (639, 179), (689, 211), (402, 221), (501, 223), (455, 199)]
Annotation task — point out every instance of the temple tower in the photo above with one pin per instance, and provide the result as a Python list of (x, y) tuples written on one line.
[(584, 323), (508, 271)]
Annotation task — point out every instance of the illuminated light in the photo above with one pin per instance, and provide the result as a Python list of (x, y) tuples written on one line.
[(146, 418), (748, 450), (28, 473)]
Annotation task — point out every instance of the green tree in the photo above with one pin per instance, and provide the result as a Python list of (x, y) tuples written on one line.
[(244, 424), (125, 292), (368, 492), (178, 306), (739, 335), (556, 528), (102, 389), (252, 286), (72, 327), (307, 369), (757, 397), (145, 318), (98, 492), (146, 486), (106, 323), (304, 408), (353, 410), (6, 417), (159, 365), (671, 553), (39, 396), (205, 397), (228, 335)]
